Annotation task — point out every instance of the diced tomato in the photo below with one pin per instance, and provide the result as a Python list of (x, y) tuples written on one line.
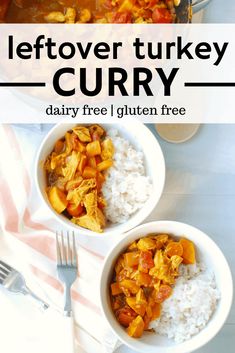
[(162, 15), (74, 211), (174, 248), (108, 4), (59, 146), (125, 316), (145, 261), (147, 14), (74, 141), (142, 3), (101, 204), (122, 17), (98, 159), (95, 136), (150, 4), (163, 293)]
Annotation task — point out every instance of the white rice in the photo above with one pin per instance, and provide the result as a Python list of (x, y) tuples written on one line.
[(191, 305), (127, 187)]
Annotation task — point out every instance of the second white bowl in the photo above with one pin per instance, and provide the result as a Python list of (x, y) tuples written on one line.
[(207, 252)]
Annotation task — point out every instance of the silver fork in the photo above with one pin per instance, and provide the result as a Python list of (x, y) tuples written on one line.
[(67, 273), (13, 281)]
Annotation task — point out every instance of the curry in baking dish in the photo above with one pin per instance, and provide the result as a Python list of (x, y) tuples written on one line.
[(88, 11)]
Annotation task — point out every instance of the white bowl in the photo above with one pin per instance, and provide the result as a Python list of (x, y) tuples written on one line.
[(142, 139), (207, 252)]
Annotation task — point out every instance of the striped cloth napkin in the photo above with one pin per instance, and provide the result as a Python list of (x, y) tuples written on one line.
[(30, 231)]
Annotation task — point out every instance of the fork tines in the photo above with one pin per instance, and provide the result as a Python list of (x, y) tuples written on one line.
[(5, 270), (66, 249)]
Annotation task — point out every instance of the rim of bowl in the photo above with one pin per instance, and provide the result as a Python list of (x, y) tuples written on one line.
[(186, 346), (144, 212)]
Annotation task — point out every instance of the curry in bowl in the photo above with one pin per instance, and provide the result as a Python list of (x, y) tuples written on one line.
[(158, 285), (95, 177), (88, 11)]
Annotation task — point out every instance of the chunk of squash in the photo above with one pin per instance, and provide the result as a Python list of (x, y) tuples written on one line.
[(88, 173), (146, 244), (131, 259), (189, 256), (57, 199), (115, 288), (140, 298), (126, 5), (107, 149), (136, 327), (104, 165), (156, 311), (143, 279), (83, 133), (138, 308), (93, 148), (90, 222), (129, 285), (132, 246)]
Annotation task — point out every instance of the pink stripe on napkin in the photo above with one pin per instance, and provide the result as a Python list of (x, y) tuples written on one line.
[(23, 219)]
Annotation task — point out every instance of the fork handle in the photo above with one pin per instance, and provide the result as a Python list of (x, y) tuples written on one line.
[(67, 301), (43, 305), (68, 333)]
